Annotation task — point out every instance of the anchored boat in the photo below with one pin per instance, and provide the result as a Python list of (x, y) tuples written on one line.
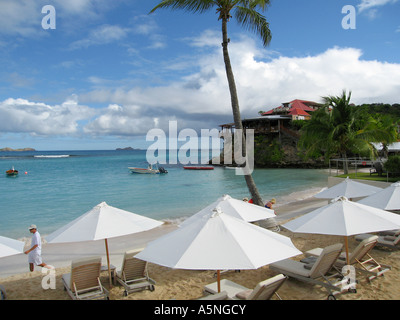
[(12, 172), (148, 170), (198, 168)]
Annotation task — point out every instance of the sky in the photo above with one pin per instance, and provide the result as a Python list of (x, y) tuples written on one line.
[(101, 74)]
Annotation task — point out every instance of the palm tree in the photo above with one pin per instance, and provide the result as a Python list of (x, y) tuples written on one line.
[(245, 12), (386, 131), (339, 129)]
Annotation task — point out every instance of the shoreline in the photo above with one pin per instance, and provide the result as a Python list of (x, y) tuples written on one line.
[(61, 254), (288, 200)]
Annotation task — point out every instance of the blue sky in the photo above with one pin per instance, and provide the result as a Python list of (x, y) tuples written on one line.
[(109, 72)]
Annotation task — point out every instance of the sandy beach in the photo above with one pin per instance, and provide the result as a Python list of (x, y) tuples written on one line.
[(187, 284)]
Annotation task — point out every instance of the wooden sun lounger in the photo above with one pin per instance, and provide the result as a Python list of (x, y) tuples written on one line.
[(83, 283), (317, 273), (264, 290), (133, 275), (392, 242), (359, 258)]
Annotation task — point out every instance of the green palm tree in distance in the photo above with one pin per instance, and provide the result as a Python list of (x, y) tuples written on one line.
[(247, 14), (340, 129)]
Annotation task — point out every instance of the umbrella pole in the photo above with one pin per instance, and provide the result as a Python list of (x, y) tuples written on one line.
[(108, 262), (346, 243), (219, 280)]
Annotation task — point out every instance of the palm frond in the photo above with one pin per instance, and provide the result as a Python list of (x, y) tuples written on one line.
[(254, 21), (187, 5)]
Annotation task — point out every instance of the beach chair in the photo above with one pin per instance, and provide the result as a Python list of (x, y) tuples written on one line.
[(264, 290), (359, 258), (133, 275), (394, 233), (83, 283), (387, 241), (316, 273), (3, 295)]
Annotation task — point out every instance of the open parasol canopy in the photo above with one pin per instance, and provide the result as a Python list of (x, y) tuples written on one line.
[(9, 247), (343, 217), (218, 242), (102, 222), (386, 199), (235, 208), (348, 188)]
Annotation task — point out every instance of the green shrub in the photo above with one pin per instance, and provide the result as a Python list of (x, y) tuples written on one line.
[(392, 165)]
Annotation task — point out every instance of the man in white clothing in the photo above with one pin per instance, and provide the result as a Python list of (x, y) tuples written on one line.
[(35, 252)]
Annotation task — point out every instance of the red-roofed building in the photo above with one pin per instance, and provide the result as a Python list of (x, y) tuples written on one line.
[(299, 114), (298, 109), (278, 120)]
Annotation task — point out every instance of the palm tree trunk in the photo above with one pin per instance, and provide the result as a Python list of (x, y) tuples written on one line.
[(235, 109), (345, 164)]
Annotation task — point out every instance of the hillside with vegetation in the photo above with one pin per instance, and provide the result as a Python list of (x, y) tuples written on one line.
[(338, 130)]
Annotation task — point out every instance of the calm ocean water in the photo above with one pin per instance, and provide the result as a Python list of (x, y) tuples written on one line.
[(51, 191)]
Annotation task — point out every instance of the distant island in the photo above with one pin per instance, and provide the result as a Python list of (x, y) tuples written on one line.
[(23, 149)]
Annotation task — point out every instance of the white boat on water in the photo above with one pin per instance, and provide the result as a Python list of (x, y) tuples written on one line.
[(148, 170)]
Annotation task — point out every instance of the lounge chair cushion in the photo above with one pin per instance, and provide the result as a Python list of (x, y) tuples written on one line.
[(389, 241), (244, 295), (292, 266), (318, 268), (354, 256), (265, 289), (262, 291)]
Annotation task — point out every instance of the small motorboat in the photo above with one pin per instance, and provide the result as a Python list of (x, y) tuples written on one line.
[(11, 172), (148, 170), (198, 168)]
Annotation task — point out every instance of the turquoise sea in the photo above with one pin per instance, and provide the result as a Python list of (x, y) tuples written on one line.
[(55, 187)]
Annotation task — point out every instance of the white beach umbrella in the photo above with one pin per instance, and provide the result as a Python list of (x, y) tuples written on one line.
[(102, 222), (218, 242), (343, 217), (349, 189), (235, 208), (386, 199), (9, 247)]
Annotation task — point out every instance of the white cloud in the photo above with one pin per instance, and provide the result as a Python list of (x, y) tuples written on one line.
[(370, 4), (35, 118), (284, 79), (121, 120), (262, 83), (101, 35), (370, 8), (202, 100), (19, 17), (23, 17), (145, 25)]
